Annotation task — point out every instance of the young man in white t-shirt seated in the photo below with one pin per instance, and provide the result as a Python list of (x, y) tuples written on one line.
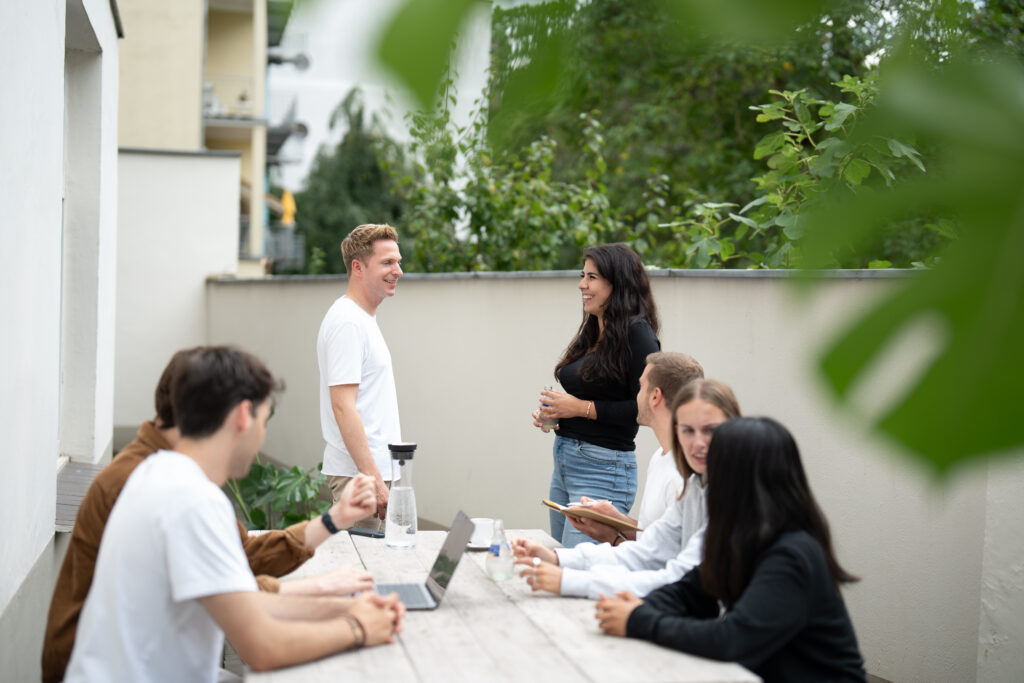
[(666, 373), (171, 577)]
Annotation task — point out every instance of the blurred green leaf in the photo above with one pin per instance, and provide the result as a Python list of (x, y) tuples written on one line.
[(755, 21), (900, 149), (968, 400), (430, 26), (530, 90), (856, 171), (770, 143)]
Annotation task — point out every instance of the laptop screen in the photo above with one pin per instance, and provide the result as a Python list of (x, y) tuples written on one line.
[(451, 552)]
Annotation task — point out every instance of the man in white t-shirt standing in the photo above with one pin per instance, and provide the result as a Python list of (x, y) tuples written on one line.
[(665, 374), (358, 400), (171, 576)]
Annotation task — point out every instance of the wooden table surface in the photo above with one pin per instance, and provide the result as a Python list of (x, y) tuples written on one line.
[(488, 631)]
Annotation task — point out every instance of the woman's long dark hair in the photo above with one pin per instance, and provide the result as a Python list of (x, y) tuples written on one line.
[(630, 300), (757, 490)]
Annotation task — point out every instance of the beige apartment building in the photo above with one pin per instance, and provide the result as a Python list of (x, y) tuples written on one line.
[(193, 79)]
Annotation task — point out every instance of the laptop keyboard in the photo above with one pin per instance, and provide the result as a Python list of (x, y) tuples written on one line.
[(412, 594)]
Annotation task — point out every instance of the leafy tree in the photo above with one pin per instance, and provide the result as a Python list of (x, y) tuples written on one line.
[(815, 152), (969, 107), (472, 210), (667, 107), (349, 185)]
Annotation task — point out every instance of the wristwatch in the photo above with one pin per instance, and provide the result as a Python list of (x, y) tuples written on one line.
[(328, 522)]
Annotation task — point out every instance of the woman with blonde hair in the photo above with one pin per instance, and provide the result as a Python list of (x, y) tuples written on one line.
[(670, 546)]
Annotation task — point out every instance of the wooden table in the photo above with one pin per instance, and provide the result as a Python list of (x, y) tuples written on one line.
[(488, 631)]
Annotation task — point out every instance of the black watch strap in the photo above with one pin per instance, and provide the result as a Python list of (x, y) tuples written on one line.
[(328, 522)]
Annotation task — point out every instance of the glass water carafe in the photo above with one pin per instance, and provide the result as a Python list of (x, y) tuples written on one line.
[(400, 527)]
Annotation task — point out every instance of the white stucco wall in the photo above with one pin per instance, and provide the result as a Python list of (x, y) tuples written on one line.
[(32, 190), (90, 235), (1002, 590), (178, 225), (30, 283), (471, 354)]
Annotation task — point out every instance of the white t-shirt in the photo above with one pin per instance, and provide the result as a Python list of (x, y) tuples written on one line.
[(171, 538), (351, 350), (669, 548), (661, 488)]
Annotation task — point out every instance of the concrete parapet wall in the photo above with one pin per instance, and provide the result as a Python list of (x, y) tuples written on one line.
[(471, 353)]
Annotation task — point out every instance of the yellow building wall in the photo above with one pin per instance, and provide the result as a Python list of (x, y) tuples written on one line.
[(254, 160), (230, 62), (160, 103), (236, 62)]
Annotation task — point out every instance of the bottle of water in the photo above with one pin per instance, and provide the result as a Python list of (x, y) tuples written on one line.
[(548, 422), (499, 557), (400, 525)]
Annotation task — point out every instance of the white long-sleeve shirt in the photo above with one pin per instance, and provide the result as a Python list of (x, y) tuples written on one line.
[(668, 548)]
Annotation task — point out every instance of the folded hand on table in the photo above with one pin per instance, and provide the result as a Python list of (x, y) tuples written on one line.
[(613, 613), (379, 615)]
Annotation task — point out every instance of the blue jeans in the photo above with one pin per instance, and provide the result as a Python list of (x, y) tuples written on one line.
[(583, 469)]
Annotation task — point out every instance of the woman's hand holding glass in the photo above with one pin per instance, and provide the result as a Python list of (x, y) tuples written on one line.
[(539, 421), (558, 404)]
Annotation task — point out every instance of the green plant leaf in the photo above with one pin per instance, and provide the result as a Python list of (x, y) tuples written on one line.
[(770, 144), (426, 31), (976, 291), (840, 112), (259, 520), (856, 171), (900, 149), (743, 219), (755, 21)]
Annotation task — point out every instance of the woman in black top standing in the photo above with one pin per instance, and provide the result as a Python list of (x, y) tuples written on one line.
[(600, 373), (768, 561)]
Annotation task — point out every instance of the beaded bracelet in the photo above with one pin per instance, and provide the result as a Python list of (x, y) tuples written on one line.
[(357, 631), (590, 404)]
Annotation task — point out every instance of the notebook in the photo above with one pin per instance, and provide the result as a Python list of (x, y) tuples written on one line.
[(428, 595), (581, 511)]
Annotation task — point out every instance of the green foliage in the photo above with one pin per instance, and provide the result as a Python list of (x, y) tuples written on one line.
[(471, 210), (976, 108), (671, 107), (272, 497), (968, 106), (814, 153), (317, 263), (348, 186)]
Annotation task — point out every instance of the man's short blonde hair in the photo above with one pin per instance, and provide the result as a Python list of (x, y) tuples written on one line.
[(671, 371), (359, 243)]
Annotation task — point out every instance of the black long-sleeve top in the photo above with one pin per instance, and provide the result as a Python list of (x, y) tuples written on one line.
[(615, 402), (790, 624)]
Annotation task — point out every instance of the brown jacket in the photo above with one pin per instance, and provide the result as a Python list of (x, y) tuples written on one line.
[(273, 553)]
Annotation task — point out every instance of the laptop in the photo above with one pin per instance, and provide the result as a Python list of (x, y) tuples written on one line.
[(428, 595)]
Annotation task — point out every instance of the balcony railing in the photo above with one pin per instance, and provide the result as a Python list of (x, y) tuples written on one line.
[(286, 249), (228, 96)]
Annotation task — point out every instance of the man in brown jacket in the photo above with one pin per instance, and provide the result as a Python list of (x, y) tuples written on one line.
[(270, 554)]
